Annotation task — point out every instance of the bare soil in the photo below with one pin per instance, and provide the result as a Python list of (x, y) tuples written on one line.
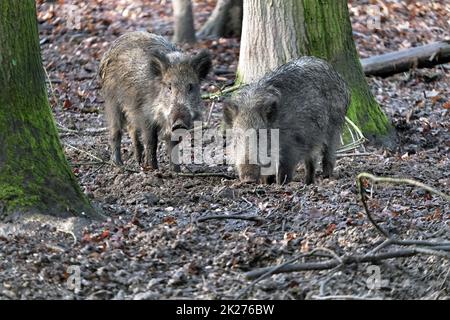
[(152, 247)]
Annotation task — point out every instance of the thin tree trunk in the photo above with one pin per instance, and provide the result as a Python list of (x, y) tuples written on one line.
[(34, 174), (270, 32), (277, 31), (184, 31), (225, 20)]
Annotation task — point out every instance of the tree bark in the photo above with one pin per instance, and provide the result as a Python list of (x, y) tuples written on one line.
[(184, 31), (34, 174), (277, 31), (225, 20), (426, 56)]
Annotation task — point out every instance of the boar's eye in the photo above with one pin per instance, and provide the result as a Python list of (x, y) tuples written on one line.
[(169, 87), (190, 87)]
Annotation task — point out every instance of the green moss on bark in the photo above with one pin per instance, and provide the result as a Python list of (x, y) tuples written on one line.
[(322, 29), (373, 122), (329, 36), (34, 174)]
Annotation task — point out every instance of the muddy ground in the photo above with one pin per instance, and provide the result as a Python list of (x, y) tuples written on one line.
[(153, 247)]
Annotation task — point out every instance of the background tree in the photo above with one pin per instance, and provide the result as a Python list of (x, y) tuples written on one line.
[(34, 174), (277, 31), (184, 31), (224, 21)]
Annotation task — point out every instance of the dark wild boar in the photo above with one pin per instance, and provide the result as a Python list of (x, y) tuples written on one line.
[(154, 88), (306, 100)]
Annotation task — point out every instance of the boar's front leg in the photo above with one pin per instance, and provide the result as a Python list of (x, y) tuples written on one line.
[(137, 144), (310, 168), (173, 153), (150, 141), (268, 179), (285, 171), (329, 155)]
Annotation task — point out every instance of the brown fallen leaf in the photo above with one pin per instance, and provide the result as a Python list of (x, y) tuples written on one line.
[(330, 229), (170, 220), (67, 104)]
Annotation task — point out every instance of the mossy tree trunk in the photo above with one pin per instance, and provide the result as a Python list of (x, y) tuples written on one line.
[(34, 174), (277, 31)]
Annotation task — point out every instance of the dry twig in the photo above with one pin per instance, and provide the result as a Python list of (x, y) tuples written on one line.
[(234, 216), (100, 161), (435, 248), (206, 175)]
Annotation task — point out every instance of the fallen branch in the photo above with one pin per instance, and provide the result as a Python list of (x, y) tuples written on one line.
[(63, 129), (390, 239), (355, 154), (344, 297), (265, 272), (87, 163), (87, 131), (85, 152), (441, 249), (346, 260), (213, 104), (400, 181), (51, 86), (426, 56), (233, 217), (100, 160), (222, 92), (206, 174)]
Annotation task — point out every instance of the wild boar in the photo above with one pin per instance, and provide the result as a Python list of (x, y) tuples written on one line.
[(154, 88), (306, 100)]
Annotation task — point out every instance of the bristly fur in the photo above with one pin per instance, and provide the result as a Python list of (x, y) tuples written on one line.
[(150, 85), (307, 100)]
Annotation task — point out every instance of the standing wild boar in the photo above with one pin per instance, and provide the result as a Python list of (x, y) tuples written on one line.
[(306, 100), (154, 88)]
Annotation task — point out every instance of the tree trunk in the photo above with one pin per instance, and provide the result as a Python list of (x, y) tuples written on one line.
[(184, 31), (225, 20), (34, 174), (277, 31)]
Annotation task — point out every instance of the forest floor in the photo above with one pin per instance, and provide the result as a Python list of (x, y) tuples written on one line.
[(153, 247)]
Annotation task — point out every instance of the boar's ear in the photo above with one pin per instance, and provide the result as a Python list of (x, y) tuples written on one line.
[(158, 63), (269, 107), (201, 63), (230, 111)]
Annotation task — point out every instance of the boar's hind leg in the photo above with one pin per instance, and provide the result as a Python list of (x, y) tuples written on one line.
[(116, 120), (285, 171), (137, 144), (268, 179), (329, 156), (310, 168), (150, 141)]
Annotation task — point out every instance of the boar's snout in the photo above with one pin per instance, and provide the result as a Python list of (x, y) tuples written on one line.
[(180, 118), (179, 124)]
